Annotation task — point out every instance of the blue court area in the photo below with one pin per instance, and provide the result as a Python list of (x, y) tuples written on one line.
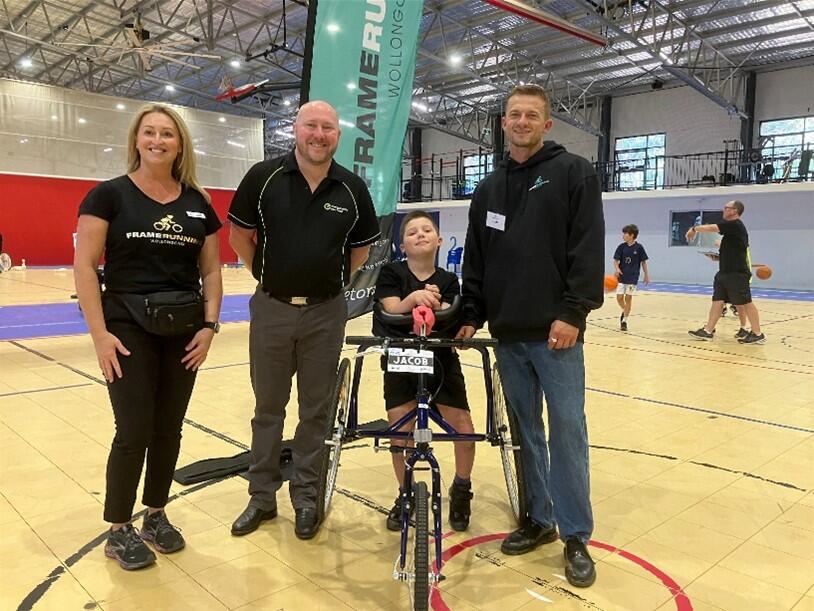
[(757, 292), (55, 319)]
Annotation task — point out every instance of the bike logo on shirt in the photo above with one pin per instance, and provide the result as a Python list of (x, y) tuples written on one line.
[(331, 208), (167, 224)]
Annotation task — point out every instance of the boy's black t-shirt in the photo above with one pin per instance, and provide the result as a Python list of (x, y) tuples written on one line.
[(150, 247), (734, 244), (396, 280)]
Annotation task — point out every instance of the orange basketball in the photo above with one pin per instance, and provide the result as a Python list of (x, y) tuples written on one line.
[(764, 272), (611, 283)]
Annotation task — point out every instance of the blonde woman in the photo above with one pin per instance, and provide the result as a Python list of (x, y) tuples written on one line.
[(154, 323)]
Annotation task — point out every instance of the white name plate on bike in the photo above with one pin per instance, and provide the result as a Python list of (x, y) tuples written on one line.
[(409, 360)]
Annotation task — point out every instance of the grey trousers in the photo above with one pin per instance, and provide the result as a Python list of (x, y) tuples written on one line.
[(283, 340)]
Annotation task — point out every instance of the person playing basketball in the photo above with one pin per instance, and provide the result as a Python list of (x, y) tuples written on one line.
[(628, 259)]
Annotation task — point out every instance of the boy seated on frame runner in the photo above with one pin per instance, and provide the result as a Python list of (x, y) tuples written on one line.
[(402, 286)]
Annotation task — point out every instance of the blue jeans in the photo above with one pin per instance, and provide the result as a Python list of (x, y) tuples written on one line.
[(556, 471)]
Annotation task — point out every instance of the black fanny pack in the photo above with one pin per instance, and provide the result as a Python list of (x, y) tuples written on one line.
[(167, 313)]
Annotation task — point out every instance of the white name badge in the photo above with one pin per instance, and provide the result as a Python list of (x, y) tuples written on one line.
[(495, 221), (409, 360), (196, 215)]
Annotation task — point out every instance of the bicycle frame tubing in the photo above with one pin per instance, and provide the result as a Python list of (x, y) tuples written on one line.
[(392, 431), (422, 415), (422, 452)]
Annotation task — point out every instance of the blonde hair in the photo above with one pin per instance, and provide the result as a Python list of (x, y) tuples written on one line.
[(184, 166)]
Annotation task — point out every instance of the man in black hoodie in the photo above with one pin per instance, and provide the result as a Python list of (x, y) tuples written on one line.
[(533, 268)]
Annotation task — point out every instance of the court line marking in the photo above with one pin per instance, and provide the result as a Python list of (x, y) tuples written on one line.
[(26, 392), (681, 599), (36, 594)]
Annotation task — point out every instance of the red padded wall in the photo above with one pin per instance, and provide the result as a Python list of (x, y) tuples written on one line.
[(38, 217)]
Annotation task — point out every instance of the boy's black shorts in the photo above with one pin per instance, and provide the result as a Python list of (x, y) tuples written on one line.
[(401, 388), (732, 287)]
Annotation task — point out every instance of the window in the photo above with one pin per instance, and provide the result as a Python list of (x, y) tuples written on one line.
[(639, 162), (782, 143), (476, 168), (681, 221)]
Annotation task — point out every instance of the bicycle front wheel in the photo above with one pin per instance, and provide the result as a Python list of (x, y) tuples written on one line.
[(421, 585)]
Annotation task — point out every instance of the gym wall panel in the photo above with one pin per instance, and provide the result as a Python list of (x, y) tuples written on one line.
[(60, 132), (38, 217), (693, 123), (784, 93), (779, 218)]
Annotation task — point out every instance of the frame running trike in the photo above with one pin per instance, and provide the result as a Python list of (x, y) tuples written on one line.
[(414, 354)]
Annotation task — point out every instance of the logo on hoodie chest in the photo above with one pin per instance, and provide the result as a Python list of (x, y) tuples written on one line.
[(538, 182)]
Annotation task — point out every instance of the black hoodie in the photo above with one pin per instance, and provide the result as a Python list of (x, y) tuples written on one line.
[(535, 246)]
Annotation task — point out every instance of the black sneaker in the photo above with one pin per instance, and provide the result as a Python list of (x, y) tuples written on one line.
[(459, 507), (753, 339), (701, 334), (528, 537), (579, 567), (125, 546), (163, 535), (734, 310), (741, 333), (394, 517), (623, 325)]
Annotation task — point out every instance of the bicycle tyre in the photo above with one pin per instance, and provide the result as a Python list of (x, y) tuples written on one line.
[(421, 583), (334, 438), (507, 427)]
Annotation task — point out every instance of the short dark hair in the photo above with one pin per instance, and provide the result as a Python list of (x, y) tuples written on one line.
[(411, 216), (632, 230), (738, 206), (533, 90)]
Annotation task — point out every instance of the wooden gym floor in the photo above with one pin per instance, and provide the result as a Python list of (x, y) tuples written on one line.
[(702, 469)]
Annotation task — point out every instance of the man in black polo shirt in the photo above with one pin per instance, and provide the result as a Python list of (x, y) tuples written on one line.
[(731, 284), (301, 223)]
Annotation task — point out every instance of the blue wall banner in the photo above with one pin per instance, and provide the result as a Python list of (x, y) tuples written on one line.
[(363, 63)]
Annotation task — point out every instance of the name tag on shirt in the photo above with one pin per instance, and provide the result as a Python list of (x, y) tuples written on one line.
[(196, 215), (495, 221)]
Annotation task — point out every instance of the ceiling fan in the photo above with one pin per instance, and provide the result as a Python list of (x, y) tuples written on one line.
[(138, 41)]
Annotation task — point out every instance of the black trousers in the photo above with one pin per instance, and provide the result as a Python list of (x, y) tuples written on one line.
[(149, 404)]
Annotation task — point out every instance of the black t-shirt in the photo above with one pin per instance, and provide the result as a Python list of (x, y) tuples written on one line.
[(734, 244), (396, 280), (303, 238), (150, 247)]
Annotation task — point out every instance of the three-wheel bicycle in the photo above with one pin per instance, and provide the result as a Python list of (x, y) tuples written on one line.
[(413, 563)]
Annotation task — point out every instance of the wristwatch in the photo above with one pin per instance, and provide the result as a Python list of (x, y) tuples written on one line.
[(215, 326)]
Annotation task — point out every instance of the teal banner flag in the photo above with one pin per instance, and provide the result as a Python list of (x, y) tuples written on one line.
[(363, 64)]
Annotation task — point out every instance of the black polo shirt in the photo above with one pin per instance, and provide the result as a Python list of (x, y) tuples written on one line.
[(303, 238)]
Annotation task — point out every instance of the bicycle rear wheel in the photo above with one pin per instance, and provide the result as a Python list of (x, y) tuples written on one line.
[(334, 438), (506, 426)]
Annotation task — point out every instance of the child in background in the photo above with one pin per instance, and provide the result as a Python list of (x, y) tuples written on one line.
[(629, 257)]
